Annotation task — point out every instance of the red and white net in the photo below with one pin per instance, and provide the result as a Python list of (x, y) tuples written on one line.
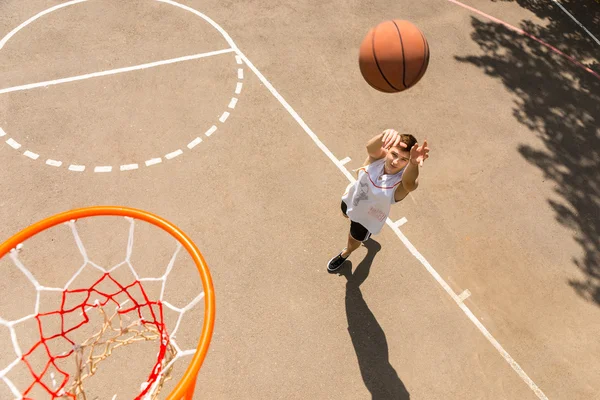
[(89, 323)]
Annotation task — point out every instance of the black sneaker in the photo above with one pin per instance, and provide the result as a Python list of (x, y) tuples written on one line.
[(335, 263)]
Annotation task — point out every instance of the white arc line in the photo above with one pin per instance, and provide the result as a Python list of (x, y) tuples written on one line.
[(238, 88), (211, 130), (577, 22), (103, 168), (114, 71), (30, 20), (194, 143), (77, 168), (153, 161), (31, 155), (224, 116), (233, 102), (128, 167), (53, 163), (13, 143), (174, 154)]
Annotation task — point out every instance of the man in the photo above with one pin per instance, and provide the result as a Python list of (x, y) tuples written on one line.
[(390, 172)]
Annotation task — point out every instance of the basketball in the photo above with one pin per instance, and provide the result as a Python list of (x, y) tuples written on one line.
[(393, 56)]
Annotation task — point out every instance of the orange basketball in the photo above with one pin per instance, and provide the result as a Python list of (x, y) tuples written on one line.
[(393, 56)]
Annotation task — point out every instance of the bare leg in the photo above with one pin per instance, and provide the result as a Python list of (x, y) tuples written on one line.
[(352, 245)]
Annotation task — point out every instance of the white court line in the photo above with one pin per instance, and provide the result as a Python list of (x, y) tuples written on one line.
[(515, 366), (128, 167), (346, 173), (104, 168), (233, 102), (12, 143), (345, 161), (238, 59), (224, 116), (30, 20), (464, 295), (153, 161), (210, 131), (114, 71), (2, 133), (194, 143), (77, 168), (174, 154), (53, 163), (400, 222), (31, 155), (238, 88), (577, 22), (240, 73)]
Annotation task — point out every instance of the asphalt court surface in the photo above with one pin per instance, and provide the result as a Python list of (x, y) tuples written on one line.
[(261, 200)]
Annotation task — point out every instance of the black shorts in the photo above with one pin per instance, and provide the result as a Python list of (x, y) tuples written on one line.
[(357, 231)]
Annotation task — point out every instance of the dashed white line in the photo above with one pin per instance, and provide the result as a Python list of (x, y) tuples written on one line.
[(128, 167), (12, 143), (31, 155), (194, 143), (211, 130), (174, 154), (153, 161), (345, 161), (77, 168)]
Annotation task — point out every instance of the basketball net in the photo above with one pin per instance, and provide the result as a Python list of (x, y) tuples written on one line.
[(124, 314)]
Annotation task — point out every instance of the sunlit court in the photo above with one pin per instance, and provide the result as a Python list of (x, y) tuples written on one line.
[(299, 200)]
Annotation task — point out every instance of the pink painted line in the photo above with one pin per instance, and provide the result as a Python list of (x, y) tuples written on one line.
[(522, 32)]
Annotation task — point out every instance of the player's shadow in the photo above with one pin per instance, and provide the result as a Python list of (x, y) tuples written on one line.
[(367, 336), (559, 103)]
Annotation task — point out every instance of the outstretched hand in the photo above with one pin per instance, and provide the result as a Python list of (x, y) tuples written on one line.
[(390, 139), (418, 154)]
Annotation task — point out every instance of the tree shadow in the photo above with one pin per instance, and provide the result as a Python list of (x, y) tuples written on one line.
[(560, 103), (367, 336), (564, 33)]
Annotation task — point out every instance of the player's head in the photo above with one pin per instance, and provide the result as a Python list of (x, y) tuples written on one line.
[(398, 156)]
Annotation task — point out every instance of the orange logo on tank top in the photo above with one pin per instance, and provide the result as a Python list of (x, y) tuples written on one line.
[(376, 213)]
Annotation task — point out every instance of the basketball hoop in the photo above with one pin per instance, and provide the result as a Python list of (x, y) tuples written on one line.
[(125, 310)]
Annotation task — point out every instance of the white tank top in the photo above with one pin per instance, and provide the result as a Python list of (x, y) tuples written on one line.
[(369, 199)]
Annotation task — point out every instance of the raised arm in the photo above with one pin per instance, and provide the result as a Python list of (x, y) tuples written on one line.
[(378, 146), (418, 154)]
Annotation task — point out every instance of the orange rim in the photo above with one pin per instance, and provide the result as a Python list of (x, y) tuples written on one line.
[(187, 382)]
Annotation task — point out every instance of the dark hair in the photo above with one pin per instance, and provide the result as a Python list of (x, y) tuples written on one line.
[(409, 140)]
